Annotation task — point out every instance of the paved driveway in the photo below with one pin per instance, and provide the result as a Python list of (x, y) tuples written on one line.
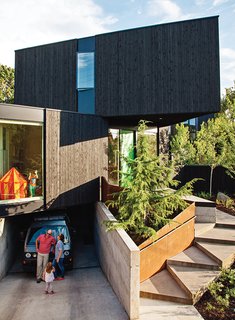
[(85, 294)]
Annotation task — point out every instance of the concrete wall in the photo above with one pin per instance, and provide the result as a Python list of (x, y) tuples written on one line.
[(120, 261), (205, 214), (205, 209), (7, 246)]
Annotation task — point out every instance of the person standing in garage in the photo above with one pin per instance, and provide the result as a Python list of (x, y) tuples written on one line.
[(44, 243), (58, 262)]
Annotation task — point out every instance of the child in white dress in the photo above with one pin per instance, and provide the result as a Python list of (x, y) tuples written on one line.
[(49, 278)]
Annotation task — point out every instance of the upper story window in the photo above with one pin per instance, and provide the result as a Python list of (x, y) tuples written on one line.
[(86, 75), (86, 78)]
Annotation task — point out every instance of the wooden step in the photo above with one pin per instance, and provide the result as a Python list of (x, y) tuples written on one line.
[(223, 254), (194, 257), (162, 286), (193, 280)]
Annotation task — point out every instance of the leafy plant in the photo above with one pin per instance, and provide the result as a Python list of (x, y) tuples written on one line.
[(228, 203), (147, 201), (222, 290), (204, 195), (215, 145), (6, 84)]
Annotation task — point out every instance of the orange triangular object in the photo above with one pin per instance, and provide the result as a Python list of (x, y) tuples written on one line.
[(13, 185)]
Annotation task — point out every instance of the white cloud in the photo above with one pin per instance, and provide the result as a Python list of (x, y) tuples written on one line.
[(227, 56), (219, 2), (200, 2), (227, 53), (28, 23), (166, 10)]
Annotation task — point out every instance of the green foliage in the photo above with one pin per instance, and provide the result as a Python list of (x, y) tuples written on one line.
[(222, 290), (147, 201), (228, 203), (215, 143), (204, 195), (212, 142), (6, 84), (228, 103), (182, 150)]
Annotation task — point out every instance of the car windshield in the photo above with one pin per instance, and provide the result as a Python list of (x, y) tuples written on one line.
[(56, 230)]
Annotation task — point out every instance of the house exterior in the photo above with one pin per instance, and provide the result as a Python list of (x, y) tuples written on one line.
[(76, 100)]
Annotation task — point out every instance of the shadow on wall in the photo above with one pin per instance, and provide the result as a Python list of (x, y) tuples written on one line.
[(76, 128), (83, 194), (18, 208)]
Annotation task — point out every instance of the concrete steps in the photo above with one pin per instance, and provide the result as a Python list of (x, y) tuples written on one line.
[(223, 254), (193, 280), (189, 273), (162, 286), (193, 257), (218, 235)]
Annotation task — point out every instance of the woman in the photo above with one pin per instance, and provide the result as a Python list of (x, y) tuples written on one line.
[(58, 262)]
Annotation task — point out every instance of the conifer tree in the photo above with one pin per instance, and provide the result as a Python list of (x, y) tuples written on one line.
[(147, 201), (182, 150)]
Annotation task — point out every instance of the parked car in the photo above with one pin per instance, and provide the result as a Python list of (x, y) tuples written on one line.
[(58, 224)]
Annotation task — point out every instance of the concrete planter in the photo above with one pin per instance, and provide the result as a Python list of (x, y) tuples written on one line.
[(119, 259), (126, 265), (171, 240)]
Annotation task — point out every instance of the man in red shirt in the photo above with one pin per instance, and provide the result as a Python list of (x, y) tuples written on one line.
[(44, 242)]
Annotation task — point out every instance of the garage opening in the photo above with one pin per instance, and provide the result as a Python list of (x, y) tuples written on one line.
[(81, 225)]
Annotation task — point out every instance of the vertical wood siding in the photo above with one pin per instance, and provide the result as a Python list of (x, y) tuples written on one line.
[(45, 76), (164, 69), (76, 156)]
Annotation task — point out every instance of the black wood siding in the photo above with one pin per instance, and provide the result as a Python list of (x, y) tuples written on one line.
[(164, 69), (45, 76), (221, 181), (76, 156)]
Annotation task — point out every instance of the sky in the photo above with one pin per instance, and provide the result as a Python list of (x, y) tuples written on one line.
[(27, 23)]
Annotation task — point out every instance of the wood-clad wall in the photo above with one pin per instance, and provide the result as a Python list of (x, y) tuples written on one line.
[(76, 156), (45, 76), (164, 69)]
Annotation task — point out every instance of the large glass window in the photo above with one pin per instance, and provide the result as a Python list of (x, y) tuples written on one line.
[(113, 156), (121, 147), (21, 161), (191, 123), (127, 152)]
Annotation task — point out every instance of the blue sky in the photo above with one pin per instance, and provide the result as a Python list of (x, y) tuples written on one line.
[(26, 23)]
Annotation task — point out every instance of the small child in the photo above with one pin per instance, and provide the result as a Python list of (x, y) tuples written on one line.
[(49, 277)]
